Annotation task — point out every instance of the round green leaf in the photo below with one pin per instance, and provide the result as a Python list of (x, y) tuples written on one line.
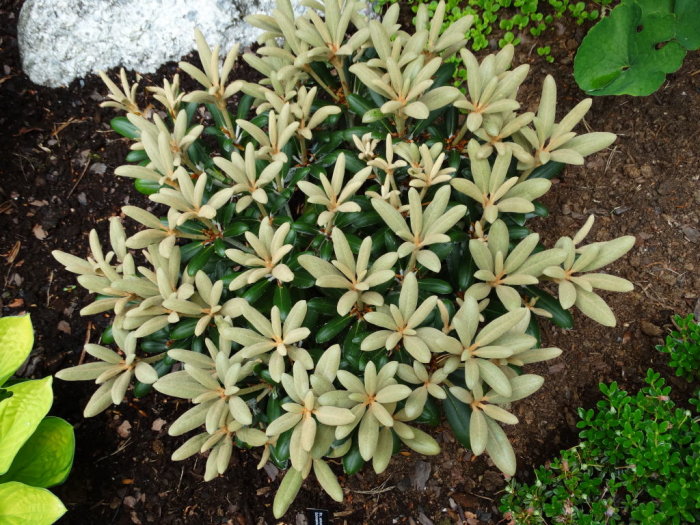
[(20, 415), (616, 59), (688, 16), (46, 458), (16, 340), (21, 504)]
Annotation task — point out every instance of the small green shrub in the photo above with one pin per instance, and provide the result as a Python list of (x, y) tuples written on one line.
[(631, 51), (344, 252), (36, 452), (638, 463), (683, 347), (511, 16)]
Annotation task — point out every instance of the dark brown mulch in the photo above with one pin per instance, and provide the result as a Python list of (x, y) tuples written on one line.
[(57, 183)]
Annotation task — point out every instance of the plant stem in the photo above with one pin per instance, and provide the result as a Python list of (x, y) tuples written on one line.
[(227, 119), (250, 389), (461, 133), (339, 66), (412, 262), (307, 69), (304, 153)]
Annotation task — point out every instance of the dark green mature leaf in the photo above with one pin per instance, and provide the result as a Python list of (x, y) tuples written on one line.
[(333, 328), (282, 300), (547, 171), (199, 260), (125, 128), (560, 317), (136, 156), (533, 329), (183, 329), (256, 291), (465, 271), (359, 105), (431, 413), (279, 453), (688, 23), (352, 461), (434, 286), (619, 55), (146, 187), (244, 106), (458, 415), (351, 345)]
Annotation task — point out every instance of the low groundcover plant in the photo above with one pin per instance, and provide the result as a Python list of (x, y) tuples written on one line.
[(637, 463), (342, 254)]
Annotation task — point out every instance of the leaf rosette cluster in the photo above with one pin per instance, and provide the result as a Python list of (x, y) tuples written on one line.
[(342, 256)]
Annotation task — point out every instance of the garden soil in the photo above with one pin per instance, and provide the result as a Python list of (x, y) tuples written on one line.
[(57, 182)]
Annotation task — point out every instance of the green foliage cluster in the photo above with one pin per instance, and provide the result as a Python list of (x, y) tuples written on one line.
[(36, 452), (683, 347), (513, 17), (631, 51), (343, 255), (638, 461)]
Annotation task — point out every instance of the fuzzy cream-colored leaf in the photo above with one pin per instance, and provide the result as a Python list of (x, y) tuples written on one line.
[(499, 448), (287, 491), (327, 480), (422, 443), (367, 436), (382, 455), (494, 377), (593, 306), (478, 432)]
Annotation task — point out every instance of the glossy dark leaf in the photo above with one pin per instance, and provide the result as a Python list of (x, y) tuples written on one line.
[(333, 328), (560, 317), (458, 415)]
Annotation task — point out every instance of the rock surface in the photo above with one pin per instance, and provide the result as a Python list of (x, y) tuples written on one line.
[(64, 39)]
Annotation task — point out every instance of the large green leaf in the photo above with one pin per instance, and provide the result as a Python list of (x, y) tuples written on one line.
[(458, 415), (619, 55), (46, 458), (688, 28), (16, 340), (20, 415), (21, 504)]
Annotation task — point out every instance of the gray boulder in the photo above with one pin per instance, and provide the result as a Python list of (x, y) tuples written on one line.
[(60, 40)]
